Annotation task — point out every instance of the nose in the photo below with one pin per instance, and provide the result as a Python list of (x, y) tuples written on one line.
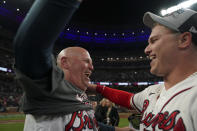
[(91, 67), (147, 50)]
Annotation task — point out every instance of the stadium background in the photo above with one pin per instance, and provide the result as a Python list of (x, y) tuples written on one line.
[(113, 33)]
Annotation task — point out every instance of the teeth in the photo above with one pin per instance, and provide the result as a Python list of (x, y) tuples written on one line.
[(152, 57), (87, 74)]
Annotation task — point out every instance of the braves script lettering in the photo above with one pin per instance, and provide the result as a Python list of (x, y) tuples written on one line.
[(164, 121), (83, 122)]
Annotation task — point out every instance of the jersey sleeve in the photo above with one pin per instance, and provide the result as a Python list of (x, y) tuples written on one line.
[(43, 86), (138, 100), (119, 97), (36, 36)]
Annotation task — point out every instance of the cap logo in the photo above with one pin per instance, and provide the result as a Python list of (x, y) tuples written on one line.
[(175, 13), (193, 29)]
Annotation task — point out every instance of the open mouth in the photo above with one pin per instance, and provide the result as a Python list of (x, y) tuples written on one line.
[(88, 74), (152, 57)]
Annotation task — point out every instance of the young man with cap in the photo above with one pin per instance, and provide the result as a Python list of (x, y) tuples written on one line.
[(172, 50)]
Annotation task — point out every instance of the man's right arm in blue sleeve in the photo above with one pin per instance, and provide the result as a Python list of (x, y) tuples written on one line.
[(37, 34)]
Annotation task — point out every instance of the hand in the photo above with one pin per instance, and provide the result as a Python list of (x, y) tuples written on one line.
[(124, 129), (91, 87)]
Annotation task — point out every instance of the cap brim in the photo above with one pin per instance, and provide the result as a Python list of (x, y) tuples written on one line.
[(150, 19)]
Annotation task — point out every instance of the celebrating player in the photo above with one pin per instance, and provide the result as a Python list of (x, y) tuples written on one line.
[(172, 50)]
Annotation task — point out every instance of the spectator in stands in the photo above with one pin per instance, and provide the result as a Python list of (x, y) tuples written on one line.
[(107, 113), (2, 106), (94, 105)]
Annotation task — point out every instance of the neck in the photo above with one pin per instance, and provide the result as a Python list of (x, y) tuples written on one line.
[(177, 76), (186, 65)]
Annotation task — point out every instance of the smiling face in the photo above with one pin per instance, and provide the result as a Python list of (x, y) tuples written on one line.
[(162, 50), (81, 69), (77, 66)]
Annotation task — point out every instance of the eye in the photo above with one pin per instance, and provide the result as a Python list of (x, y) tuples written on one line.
[(87, 61), (153, 40)]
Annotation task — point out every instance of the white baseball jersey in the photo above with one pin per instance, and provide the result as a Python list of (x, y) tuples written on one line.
[(174, 109), (77, 121)]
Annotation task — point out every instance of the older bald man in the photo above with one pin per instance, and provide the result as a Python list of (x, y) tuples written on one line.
[(54, 92)]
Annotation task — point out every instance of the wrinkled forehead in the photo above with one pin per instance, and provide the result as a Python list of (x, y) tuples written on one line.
[(75, 51), (84, 54), (81, 56)]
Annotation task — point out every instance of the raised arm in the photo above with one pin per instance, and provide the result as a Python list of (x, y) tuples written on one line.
[(37, 34)]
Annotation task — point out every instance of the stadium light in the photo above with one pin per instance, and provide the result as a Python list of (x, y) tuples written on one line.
[(185, 4)]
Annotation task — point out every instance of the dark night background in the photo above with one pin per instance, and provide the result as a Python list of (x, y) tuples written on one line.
[(111, 30)]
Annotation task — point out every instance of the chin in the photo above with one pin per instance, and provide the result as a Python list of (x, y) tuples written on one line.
[(83, 88), (156, 73), (87, 83), (152, 71)]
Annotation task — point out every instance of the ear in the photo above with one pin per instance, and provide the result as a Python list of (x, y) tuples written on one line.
[(64, 62), (185, 40)]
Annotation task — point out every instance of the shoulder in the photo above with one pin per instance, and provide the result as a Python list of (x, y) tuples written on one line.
[(156, 89)]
